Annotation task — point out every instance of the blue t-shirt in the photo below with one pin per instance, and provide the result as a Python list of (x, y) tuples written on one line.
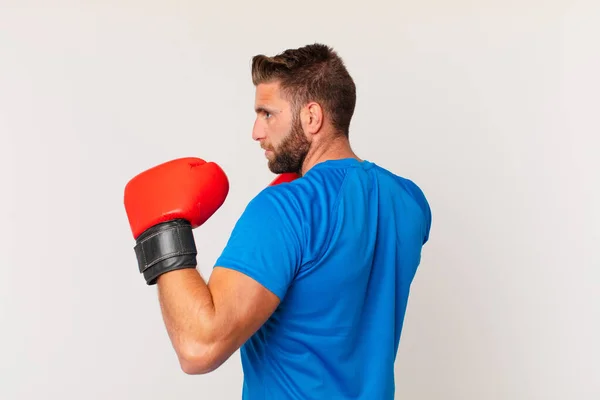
[(340, 247)]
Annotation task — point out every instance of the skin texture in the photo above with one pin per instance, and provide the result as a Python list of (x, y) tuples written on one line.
[(207, 323)]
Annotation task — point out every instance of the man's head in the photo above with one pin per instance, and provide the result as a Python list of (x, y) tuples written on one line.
[(303, 96)]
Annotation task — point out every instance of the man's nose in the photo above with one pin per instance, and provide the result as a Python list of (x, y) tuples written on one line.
[(258, 132)]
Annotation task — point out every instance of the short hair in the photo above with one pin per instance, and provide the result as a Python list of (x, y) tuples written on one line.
[(311, 73)]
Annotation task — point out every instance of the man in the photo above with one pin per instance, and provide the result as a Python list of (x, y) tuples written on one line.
[(313, 283)]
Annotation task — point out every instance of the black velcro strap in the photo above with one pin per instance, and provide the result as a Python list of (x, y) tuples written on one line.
[(164, 241)]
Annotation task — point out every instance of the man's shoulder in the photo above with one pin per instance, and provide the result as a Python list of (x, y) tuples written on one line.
[(304, 201), (281, 192), (300, 190), (279, 201), (411, 189), (404, 181)]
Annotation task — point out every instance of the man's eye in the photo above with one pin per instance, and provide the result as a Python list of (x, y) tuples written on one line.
[(267, 114)]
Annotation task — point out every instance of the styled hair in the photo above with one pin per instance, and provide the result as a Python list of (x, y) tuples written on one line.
[(311, 73)]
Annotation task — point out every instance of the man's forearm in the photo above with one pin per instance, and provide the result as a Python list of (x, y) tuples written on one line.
[(189, 314)]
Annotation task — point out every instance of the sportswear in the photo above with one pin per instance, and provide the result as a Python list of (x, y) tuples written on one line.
[(340, 247)]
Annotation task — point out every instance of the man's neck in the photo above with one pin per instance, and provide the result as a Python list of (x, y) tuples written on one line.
[(335, 148)]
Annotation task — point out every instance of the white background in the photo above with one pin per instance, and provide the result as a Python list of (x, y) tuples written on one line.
[(492, 107)]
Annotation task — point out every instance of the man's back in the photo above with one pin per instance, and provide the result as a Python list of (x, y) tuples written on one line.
[(349, 248)]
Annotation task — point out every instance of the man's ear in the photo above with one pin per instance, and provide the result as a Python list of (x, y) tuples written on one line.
[(313, 118)]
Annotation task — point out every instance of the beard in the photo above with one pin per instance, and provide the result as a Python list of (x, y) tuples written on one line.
[(290, 154)]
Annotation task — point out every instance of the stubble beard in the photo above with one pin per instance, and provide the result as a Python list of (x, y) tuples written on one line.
[(290, 154)]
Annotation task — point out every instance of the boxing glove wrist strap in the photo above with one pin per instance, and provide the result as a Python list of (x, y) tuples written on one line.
[(165, 247)]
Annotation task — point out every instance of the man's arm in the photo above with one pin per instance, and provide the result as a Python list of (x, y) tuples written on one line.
[(208, 323)]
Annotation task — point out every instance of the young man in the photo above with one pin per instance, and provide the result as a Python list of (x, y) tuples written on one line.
[(313, 283)]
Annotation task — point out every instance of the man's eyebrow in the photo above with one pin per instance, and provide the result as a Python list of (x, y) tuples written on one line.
[(263, 109)]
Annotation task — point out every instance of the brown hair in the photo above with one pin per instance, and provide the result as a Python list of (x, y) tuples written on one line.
[(311, 73)]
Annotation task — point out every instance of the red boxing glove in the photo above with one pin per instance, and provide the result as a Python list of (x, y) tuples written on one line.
[(164, 204), (284, 178)]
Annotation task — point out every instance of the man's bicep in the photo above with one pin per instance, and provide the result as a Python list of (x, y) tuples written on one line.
[(242, 305)]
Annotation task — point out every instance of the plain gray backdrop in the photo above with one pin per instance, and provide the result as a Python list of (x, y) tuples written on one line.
[(492, 107)]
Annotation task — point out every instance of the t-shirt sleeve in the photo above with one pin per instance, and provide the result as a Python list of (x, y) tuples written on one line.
[(265, 243), (425, 208), (427, 222)]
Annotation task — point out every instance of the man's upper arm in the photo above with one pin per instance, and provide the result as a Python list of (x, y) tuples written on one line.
[(256, 267), (242, 306)]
